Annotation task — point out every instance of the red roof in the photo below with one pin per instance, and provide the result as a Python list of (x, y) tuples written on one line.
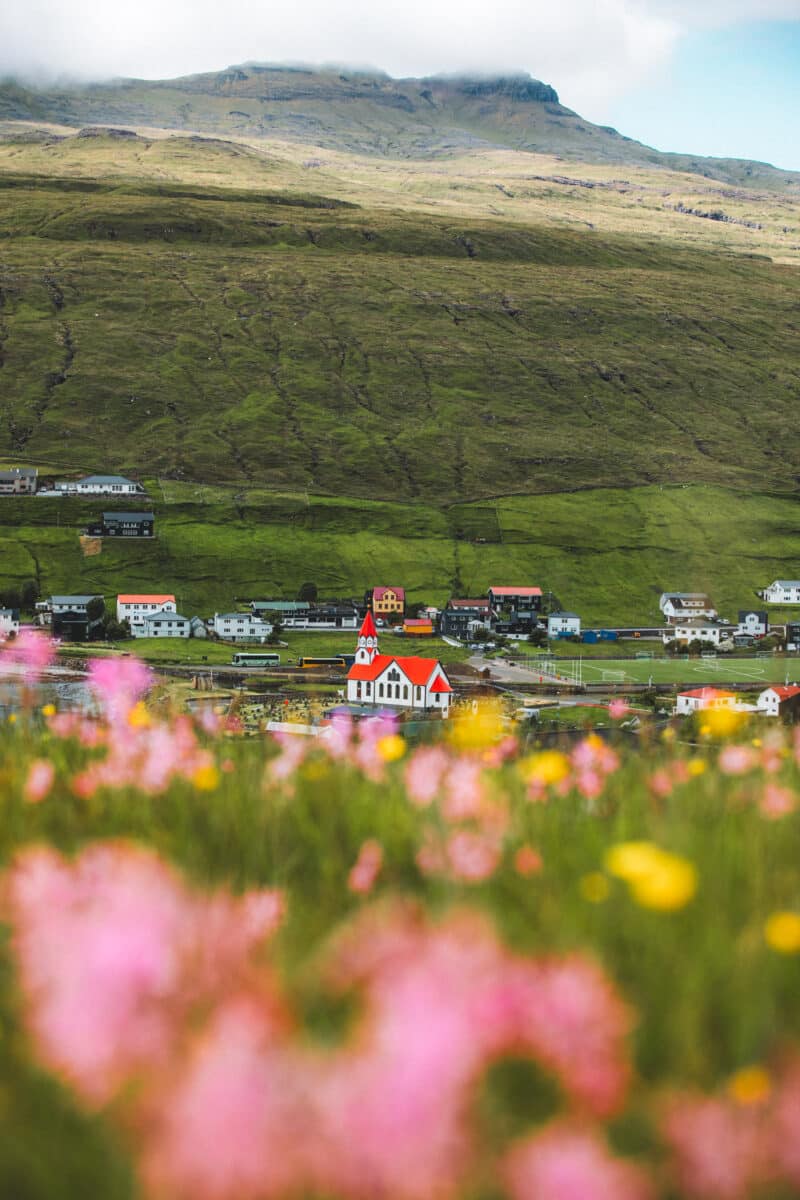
[(468, 603), (379, 592), (417, 670), (417, 621), (145, 599), (368, 627), (515, 591), (440, 684), (785, 693)]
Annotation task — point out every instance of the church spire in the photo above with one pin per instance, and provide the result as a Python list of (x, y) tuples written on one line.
[(367, 646)]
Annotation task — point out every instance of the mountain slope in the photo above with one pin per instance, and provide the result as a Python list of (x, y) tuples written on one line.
[(367, 114)]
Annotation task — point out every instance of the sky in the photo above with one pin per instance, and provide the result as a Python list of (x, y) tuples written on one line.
[(701, 76)]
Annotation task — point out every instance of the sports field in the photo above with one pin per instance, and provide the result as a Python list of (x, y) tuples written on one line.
[(694, 672)]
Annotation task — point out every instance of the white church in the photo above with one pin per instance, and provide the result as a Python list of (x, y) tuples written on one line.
[(386, 681)]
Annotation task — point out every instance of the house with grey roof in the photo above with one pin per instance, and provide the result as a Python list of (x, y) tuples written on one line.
[(19, 481), (682, 606), (563, 624), (782, 591)]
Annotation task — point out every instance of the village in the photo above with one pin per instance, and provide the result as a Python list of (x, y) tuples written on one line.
[(511, 634)]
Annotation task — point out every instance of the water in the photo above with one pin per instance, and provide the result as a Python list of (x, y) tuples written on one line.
[(64, 689)]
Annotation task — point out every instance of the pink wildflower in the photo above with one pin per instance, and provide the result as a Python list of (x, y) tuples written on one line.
[(567, 1162), (661, 783), (464, 790), (472, 857), (41, 776), (715, 1146), (737, 760), (617, 709), (423, 774), (32, 650), (777, 801), (119, 683), (367, 867)]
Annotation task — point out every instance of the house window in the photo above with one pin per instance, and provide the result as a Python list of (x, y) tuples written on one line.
[(369, 689), (419, 693), (405, 691), (380, 689)]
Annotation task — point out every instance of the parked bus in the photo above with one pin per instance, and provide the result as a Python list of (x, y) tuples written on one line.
[(256, 660), (338, 663)]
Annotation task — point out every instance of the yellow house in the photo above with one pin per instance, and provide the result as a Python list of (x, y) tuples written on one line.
[(388, 601)]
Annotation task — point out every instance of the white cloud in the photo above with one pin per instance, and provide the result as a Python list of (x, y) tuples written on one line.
[(590, 50)]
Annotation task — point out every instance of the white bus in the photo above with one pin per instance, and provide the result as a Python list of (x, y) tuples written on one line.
[(256, 660)]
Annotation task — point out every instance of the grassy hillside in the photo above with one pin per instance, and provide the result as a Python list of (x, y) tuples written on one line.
[(355, 373)]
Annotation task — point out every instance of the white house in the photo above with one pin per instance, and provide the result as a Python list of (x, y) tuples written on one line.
[(165, 623), (699, 699), (696, 629), (782, 591), (390, 682), (563, 624), (100, 485), (682, 605), (9, 622), (133, 608), (241, 627), (776, 701), (752, 623)]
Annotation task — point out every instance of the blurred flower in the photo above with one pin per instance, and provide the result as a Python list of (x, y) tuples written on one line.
[(777, 801), (737, 760), (118, 684), (750, 1085), (543, 770), (568, 1162), (716, 1147), (720, 721), (782, 932), (478, 729), (617, 709), (48, 710), (206, 777), (696, 767), (39, 781), (367, 867), (391, 748), (423, 774), (657, 879), (32, 650), (472, 857), (527, 861)]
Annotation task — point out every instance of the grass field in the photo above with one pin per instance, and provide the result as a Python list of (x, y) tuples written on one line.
[(695, 672)]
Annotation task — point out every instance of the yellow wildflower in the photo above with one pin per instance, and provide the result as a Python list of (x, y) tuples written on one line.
[(391, 747), (549, 766), (594, 887), (668, 734), (757, 743), (48, 710), (722, 722), (696, 766), (657, 879), (782, 932), (139, 717), (478, 729), (206, 779), (12, 718), (751, 1085)]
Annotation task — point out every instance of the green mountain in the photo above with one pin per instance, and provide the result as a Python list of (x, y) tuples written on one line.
[(442, 370), (366, 113)]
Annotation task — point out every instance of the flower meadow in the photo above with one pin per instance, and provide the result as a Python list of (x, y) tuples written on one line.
[(358, 968)]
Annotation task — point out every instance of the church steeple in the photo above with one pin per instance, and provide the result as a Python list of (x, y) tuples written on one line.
[(367, 646)]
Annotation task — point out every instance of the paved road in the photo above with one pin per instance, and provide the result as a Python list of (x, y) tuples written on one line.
[(507, 672)]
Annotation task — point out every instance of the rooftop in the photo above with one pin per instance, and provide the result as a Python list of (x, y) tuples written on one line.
[(515, 591), (107, 479), (133, 598), (128, 516)]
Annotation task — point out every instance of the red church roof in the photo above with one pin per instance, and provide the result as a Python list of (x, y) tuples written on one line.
[(441, 685), (368, 627), (417, 670), (785, 693)]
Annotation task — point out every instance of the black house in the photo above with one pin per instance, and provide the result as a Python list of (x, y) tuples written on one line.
[(123, 524)]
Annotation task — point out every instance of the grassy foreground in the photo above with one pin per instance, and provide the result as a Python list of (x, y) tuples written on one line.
[(550, 961)]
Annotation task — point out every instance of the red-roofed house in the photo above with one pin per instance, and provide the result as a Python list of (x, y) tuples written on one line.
[(701, 698), (395, 682), (134, 608), (780, 701)]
